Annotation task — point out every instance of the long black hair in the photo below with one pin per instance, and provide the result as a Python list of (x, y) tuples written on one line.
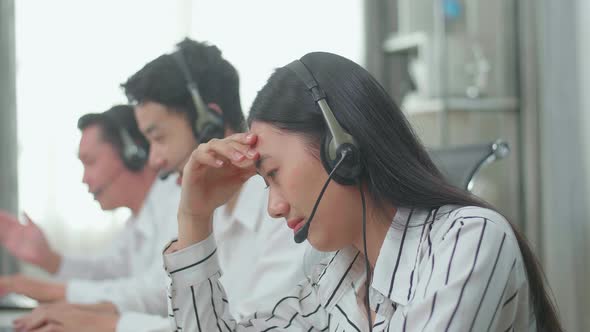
[(396, 168)]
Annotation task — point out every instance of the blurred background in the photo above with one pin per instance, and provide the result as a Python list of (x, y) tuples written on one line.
[(463, 71)]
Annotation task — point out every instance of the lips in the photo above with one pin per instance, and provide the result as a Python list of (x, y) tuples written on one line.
[(296, 223)]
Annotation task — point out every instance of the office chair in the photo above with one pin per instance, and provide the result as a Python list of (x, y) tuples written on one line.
[(461, 164)]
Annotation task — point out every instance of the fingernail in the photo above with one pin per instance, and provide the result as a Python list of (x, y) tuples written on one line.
[(251, 153), (237, 156), (219, 162), (249, 136)]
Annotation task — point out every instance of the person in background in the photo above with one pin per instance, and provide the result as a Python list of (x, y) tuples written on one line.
[(114, 155)]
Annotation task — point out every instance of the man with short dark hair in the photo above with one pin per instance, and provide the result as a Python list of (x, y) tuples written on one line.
[(114, 155)]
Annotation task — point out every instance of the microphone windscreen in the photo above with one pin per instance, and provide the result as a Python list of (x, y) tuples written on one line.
[(301, 234), (164, 174)]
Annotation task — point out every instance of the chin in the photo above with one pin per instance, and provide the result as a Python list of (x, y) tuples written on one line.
[(322, 243), (106, 206)]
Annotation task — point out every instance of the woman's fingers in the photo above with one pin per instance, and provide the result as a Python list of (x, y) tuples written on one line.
[(244, 138), (216, 152)]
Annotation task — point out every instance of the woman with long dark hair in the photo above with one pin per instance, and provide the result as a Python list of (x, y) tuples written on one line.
[(412, 253)]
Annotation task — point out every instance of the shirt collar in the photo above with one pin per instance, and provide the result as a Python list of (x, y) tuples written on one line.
[(347, 267), (344, 269)]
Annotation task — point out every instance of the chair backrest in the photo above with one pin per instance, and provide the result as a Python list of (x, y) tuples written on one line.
[(461, 164)]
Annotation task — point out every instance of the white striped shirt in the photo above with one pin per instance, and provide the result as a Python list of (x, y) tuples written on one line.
[(452, 269)]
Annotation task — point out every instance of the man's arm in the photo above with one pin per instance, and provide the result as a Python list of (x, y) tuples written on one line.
[(40, 290)]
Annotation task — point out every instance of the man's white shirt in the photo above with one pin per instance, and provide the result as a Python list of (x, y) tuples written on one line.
[(134, 258)]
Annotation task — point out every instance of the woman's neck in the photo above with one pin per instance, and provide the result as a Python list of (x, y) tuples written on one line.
[(378, 224)]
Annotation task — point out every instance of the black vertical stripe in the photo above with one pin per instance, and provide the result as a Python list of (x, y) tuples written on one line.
[(429, 277), (452, 256), (485, 222), (418, 254), (195, 308), (429, 240), (342, 279), (501, 296), (431, 311), (399, 254), (424, 225), (488, 283), (327, 326), (213, 305), (405, 322), (327, 266), (347, 319)]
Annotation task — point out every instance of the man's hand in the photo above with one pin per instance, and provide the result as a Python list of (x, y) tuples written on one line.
[(64, 317), (27, 242), (42, 291)]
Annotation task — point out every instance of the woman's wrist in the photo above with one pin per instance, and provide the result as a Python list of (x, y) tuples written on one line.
[(193, 229)]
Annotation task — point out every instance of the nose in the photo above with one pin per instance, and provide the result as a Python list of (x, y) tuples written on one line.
[(278, 207), (85, 177), (156, 161)]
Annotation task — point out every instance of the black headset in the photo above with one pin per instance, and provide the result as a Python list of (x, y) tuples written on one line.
[(337, 142), (208, 123), (134, 156)]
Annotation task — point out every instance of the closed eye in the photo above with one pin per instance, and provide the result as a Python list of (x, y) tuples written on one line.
[(270, 175)]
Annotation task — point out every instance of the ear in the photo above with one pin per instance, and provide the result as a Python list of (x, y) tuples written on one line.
[(215, 107)]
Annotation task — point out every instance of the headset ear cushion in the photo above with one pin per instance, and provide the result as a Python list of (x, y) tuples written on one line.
[(348, 172), (210, 131), (134, 158), (214, 128)]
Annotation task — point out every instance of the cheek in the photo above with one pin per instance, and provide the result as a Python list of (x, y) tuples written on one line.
[(337, 219), (303, 184)]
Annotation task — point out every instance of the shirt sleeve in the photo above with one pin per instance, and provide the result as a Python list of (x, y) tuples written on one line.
[(135, 321), (197, 300), (472, 275), (109, 264), (143, 292)]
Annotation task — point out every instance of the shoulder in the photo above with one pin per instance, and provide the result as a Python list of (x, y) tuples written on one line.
[(473, 219), (479, 232)]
